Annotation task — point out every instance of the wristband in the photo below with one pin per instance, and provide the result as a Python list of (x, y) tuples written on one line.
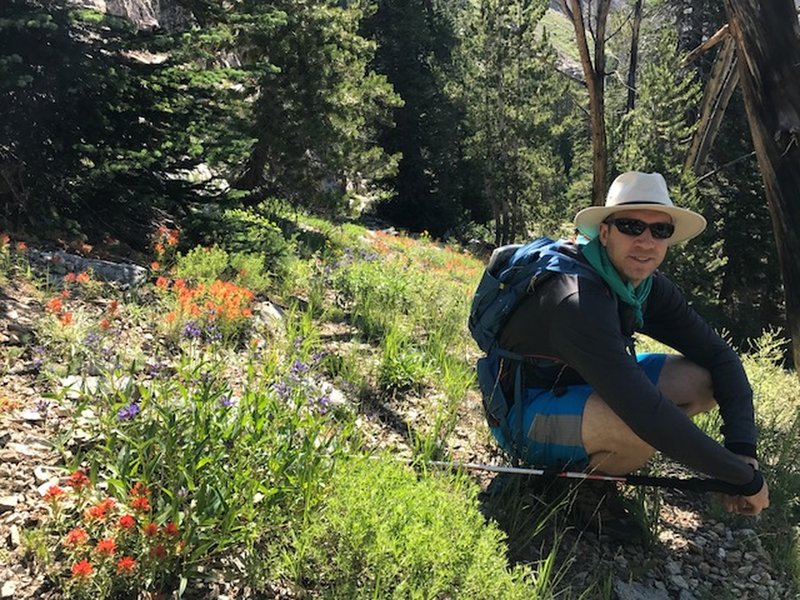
[(743, 449), (752, 488)]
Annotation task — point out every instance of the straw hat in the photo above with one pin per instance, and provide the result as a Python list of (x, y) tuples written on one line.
[(641, 191)]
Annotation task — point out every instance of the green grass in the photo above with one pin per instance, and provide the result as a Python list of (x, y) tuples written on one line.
[(385, 532)]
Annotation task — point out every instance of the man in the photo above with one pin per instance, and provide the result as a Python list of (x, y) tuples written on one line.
[(590, 401)]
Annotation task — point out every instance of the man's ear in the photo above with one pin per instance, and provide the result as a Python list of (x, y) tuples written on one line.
[(603, 233)]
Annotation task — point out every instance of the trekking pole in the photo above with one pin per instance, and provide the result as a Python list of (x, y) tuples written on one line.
[(694, 484)]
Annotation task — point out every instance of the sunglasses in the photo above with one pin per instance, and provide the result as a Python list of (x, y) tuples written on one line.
[(635, 227)]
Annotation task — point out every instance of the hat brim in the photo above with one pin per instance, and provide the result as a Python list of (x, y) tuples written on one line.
[(688, 224)]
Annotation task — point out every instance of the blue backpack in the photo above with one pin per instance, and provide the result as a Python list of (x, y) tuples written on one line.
[(513, 272)]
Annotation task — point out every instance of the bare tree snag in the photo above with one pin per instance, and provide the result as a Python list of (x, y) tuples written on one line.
[(722, 82), (636, 25), (715, 39), (767, 38), (594, 73), (12, 184)]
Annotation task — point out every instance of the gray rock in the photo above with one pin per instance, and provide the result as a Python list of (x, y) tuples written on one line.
[(8, 503), (14, 539), (679, 582), (747, 533), (23, 449), (44, 473), (673, 567), (270, 312), (8, 589), (76, 386), (31, 416), (42, 489), (638, 591), (686, 595), (734, 556), (126, 274)]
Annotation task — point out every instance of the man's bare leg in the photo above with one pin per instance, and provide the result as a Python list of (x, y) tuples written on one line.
[(611, 445)]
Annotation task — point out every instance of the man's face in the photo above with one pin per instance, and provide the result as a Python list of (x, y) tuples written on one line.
[(635, 257)]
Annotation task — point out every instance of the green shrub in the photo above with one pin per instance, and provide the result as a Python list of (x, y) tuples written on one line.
[(377, 293), (208, 264), (240, 231), (385, 533), (777, 406), (202, 264), (246, 232), (250, 271), (403, 367)]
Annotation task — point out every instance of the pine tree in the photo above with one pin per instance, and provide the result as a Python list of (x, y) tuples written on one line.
[(433, 187), (103, 131), (317, 103), (517, 117)]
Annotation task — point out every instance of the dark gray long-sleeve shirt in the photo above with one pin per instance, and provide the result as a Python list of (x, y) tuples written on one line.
[(577, 321)]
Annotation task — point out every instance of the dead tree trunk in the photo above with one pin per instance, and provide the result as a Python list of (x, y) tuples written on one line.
[(768, 42), (595, 74), (718, 92), (12, 188), (635, 27)]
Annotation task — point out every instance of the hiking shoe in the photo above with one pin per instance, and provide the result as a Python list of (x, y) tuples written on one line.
[(598, 507)]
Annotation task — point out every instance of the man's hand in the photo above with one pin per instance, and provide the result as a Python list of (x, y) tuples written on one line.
[(748, 505)]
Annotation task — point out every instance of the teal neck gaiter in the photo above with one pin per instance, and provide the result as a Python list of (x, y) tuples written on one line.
[(597, 256)]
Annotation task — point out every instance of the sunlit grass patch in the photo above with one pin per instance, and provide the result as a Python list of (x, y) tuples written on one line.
[(385, 532), (445, 262)]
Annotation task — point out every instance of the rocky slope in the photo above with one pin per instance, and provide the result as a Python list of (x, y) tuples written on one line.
[(692, 556)]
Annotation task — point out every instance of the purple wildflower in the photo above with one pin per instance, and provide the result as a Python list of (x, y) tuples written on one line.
[(128, 412), (318, 356), (368, 256), (322, 404), (226, 401), (91, 339), (38, 356), (213, 334), (191, 330), (298, 368), (283, 390)]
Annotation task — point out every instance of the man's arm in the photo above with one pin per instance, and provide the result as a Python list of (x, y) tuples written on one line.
[(669, 319), (585, 334)]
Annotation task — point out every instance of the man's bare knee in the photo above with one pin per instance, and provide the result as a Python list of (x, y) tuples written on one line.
[(622, 459), (687, 384), (610, 443)]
